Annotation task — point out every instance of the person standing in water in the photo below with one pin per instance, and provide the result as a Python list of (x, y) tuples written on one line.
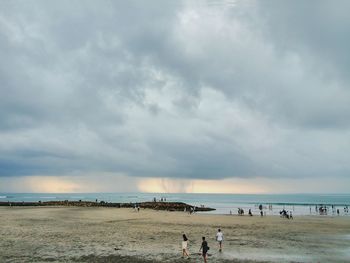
[(185, 246), (219, 238), (204, 248)]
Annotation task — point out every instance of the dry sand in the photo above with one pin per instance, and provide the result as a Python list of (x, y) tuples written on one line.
[(72, 234)]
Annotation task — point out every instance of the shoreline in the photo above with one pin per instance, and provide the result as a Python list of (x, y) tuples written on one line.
[(298, 204), (167, 206)]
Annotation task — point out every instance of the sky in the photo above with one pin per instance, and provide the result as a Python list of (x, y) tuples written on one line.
[(175, 96)]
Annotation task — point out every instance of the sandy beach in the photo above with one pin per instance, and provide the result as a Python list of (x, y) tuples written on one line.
[(75, 234)]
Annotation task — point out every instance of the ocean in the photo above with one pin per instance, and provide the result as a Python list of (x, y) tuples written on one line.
[(298, 204)]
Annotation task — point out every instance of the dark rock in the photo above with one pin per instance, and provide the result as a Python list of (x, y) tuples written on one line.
[(169, 206)]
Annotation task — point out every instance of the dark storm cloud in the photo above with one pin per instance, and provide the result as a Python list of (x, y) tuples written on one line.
[(319, 33), (174, 89)]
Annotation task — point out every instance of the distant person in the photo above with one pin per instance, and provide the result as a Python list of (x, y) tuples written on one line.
[(338, 211), (219, 238), (185, 246), (290, 215), (193, 209), (261, 213), (204, 248), (250, 212)]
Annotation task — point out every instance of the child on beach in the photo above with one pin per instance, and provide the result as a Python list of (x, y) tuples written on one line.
[(185, 246), (204, 248), (219, 238)]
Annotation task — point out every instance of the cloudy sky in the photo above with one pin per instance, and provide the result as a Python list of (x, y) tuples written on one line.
[(175, 96)]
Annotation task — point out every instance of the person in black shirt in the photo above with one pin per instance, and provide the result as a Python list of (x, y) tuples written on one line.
[(204, 248)]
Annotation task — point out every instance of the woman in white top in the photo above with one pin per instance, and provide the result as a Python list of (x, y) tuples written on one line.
[(185, 246), (219, 238)]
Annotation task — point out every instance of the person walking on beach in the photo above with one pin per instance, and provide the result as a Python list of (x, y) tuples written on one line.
[(219, 238), (185, 246), (204, 248)]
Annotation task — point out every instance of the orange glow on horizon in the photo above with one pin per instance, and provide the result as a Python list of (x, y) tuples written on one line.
[(47, 184), (120, 183)]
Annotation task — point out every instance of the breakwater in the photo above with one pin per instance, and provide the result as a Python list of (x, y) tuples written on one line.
[(168, 206)]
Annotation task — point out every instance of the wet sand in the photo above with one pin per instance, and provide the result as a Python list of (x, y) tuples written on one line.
[(77, 234)]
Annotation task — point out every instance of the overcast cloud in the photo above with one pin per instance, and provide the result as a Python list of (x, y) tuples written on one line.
[(192, 89)]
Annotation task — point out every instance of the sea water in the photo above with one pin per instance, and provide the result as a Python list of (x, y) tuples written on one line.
[(298, 204)]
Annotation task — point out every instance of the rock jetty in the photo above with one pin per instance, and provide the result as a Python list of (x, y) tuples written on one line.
[(168, 206)]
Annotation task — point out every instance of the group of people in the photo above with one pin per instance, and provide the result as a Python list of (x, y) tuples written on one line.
[(162, 199), (136, 207), (204, 245), (346, 210), (241, 212), (191, 209), (285, 214), (324, 209)]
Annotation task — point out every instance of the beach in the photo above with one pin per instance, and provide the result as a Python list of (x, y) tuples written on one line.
[(97, 234)]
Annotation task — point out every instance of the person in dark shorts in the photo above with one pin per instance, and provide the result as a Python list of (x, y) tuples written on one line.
[(204, 248)]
